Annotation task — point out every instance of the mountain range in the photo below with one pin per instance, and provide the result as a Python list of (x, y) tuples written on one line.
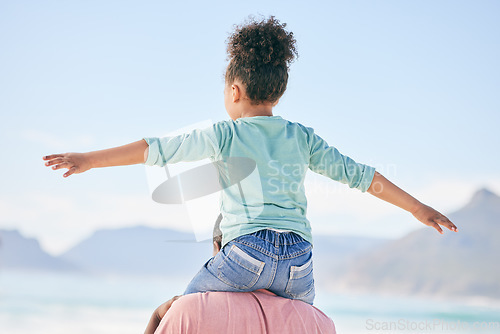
[(423, 262), (142, 250), (20, 253)]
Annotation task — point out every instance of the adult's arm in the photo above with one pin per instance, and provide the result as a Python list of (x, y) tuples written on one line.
[(158, 314)]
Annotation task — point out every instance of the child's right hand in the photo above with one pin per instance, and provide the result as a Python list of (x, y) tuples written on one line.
[(75, 162)]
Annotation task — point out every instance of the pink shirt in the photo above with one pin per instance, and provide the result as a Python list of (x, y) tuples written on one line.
[(257, 312)]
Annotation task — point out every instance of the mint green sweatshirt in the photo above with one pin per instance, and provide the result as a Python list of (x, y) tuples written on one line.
[(273, 195)]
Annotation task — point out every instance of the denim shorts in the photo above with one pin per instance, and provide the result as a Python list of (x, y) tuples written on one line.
[(280, 262)]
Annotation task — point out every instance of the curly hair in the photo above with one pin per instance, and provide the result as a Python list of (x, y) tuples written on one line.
[(259, 55)]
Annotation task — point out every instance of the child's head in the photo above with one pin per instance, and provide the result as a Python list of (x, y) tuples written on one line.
[(259, 54)]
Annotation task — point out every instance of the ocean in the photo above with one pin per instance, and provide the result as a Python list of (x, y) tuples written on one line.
[(56, 303)]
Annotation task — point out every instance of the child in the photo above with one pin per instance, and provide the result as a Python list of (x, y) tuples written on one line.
[(267, 238), (207, 313)]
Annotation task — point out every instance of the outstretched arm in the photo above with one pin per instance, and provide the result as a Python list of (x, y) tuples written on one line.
[(130, 154), (389, 192)]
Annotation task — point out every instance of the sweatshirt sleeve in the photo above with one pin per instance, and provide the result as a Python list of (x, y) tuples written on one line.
[(196, 145), (328, 161)]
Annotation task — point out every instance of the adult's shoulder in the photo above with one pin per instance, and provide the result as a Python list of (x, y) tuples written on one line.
[(255, 312)]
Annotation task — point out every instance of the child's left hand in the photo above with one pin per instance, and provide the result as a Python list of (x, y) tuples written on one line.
[(430, 217)]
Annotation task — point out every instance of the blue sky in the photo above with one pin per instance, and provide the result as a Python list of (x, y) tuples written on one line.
[(410, 87)]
